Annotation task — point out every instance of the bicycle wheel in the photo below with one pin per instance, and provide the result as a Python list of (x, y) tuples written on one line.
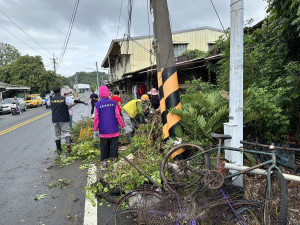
[(139, 199), (239, 212), (276, 205), (184, 173), (127, 216), (146, 207)]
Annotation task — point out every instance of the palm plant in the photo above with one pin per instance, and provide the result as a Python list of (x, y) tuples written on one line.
[(204, 112)]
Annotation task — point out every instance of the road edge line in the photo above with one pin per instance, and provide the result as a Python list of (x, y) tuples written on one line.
[(90, 211)]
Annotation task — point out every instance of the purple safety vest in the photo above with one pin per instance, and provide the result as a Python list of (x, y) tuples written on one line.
[(108, 123)]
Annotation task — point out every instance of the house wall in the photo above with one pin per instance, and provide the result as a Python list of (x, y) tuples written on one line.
[(197, 39)]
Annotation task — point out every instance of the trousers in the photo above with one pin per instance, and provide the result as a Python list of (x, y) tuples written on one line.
[(61, 128), (109, 147)]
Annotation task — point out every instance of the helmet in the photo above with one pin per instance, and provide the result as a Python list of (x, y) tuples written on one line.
[(146, 97)]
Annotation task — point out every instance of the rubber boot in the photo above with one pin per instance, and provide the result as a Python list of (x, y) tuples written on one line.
[(128, 136), (58, 147), (68, 140)]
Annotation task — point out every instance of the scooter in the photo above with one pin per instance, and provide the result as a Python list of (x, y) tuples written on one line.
[(14, 109)]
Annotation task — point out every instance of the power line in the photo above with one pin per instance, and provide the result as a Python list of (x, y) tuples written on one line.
[(149, 51), (218, 17), (24, 31), (69, 32), (21, 40), (119, 18), (127, 32)]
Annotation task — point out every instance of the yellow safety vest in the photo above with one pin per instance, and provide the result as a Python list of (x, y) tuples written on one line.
[(131, 108)]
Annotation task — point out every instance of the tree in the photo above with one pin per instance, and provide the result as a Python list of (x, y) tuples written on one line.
[(271, 70), (284, 18), (29, 71), (8, 54)]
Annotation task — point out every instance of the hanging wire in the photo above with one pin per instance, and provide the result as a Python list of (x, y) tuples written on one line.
[(22, 41), (119, 18), (69, 32), (218, 17), (24, 31), (150, 43), (130, 4), (143, 47)]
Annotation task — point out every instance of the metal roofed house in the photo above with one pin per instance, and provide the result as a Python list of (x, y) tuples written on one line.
[(132, 54), (10, 90), (128, 57)]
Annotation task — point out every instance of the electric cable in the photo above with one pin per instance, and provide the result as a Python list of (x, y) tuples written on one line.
[(144, 48), (130, 4), (22, 41), (24, 31), (119, 18), (218, 17), (69, 32)]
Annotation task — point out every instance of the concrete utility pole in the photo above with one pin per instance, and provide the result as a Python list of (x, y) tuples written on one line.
[(97, 77), (166, 67), (76, 84), (235, 125), (54, 64)]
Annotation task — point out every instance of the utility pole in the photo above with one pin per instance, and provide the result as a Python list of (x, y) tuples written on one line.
[(97, 76), (166, 67), (235, 125), (54, 64), (76, 84)]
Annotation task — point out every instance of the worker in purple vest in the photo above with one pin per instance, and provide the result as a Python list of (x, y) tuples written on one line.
[(106, 121)]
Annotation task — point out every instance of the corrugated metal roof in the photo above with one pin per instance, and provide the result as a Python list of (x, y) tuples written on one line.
[(115, 42), (5, 86)]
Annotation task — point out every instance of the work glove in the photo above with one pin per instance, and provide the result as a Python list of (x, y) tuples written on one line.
[(178, 141), (96, 135)]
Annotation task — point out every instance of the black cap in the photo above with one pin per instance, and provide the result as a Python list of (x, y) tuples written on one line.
[(56, 89), (116, 92)]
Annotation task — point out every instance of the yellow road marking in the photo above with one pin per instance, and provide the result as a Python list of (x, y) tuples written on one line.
[(22, 124)]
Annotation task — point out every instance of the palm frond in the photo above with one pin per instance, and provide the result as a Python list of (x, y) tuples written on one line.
[(250, 116)]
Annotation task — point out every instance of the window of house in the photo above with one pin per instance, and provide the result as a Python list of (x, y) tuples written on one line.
[(179, 49), (210, 46)]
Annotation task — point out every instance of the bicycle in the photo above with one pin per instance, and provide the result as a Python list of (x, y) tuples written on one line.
[(153, 208), (193, 172)]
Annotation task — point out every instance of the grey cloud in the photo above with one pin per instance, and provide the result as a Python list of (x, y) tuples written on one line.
[(96, 24)]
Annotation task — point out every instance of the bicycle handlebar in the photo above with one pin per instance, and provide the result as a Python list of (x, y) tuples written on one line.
[(270, 146)]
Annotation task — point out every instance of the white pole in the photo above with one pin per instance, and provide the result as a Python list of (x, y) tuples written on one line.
[(235, 125), (97, 77), (259, 171)]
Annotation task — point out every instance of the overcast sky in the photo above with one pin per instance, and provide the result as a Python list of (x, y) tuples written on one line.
[(96, 24)]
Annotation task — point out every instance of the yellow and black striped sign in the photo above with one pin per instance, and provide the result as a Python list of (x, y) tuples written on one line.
[(162, 105), (171, 96)]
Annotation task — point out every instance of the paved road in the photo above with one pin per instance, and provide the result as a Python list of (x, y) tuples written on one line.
[(26, 169)]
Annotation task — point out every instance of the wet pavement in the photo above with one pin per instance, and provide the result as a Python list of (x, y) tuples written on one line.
[(27, 169)]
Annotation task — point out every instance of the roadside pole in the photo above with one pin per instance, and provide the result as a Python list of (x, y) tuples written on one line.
[(97, 77), (235, 125), (166, 67), (54, 65)]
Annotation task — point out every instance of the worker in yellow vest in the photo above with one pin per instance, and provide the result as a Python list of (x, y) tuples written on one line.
[(130, 111)]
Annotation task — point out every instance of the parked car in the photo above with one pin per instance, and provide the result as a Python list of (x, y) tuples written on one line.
[(6, 105), (34, 100), (46, 99)]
